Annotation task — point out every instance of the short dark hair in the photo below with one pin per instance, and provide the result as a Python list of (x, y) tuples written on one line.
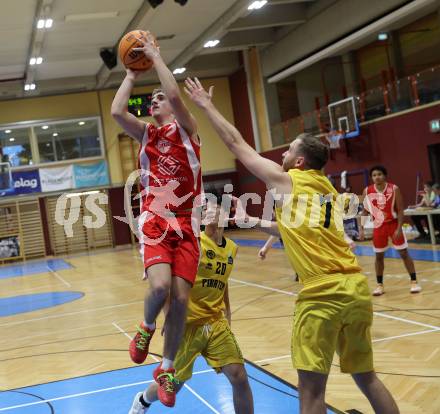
[(429, 183), (380, 168), (156, 91), (314, 151)]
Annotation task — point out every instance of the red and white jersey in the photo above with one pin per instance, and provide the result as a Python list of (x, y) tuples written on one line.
[(382, 202), (169, 157)]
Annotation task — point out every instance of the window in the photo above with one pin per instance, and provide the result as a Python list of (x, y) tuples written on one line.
[(15, 146), (68, 140), (52, 141)]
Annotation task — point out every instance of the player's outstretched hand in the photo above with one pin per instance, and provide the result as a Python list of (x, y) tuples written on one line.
[(134, 74), (149, 46), (196, 92)]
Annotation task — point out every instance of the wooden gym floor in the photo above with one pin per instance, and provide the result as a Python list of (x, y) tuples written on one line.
[(87, 332)]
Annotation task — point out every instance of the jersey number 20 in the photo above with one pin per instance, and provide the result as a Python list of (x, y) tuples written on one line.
[(221, 269)]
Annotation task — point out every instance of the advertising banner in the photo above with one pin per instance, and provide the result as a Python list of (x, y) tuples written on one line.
[(26, 182), (91, 175), (56, 179)]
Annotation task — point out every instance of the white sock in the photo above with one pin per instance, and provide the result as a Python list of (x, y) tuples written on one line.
[(150, 326), (167, 364), (145, 396)]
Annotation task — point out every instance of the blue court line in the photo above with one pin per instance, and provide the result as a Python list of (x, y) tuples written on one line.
[(28, 303), (113, 392), (416, 254), (30, 268)]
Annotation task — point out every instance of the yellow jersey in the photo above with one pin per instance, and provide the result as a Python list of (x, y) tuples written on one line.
[(310, 224), (206, 299)]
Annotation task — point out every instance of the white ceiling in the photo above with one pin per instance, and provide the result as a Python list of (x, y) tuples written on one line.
[(70, 49), (15, 31)]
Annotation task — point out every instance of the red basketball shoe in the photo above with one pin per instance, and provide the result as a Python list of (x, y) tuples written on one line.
[(140, 343), (167, 385)]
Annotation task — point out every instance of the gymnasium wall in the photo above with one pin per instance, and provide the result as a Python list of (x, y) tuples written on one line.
[(240, 105), (99, 104), (325, 77), (398, 142)]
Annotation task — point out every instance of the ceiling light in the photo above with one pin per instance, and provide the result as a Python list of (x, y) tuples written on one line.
[(178, 71), (45, 127), (382, 36), (81, 123), (211, 43), (8, 131), (47, 144), (36, 61), (255, 5), (44, 23), (29, 87), (12, 139), (55, 134)]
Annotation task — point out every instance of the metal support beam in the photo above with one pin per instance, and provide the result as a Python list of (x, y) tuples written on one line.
[(42, 10), (215, 31), (236, 41), (272, 16)]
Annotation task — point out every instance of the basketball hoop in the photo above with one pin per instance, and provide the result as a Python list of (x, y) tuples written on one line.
[(334, 139)]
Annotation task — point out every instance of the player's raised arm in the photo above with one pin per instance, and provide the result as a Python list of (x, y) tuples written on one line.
[(133, 126), (169, 85), (271, 173)]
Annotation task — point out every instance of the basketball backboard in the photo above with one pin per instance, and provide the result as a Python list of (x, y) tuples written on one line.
[(343, 117)]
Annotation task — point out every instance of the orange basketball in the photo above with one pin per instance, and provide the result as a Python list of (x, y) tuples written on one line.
[(130, 58)]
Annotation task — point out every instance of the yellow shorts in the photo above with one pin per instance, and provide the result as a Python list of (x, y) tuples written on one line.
[(215, 342), (334, 315)]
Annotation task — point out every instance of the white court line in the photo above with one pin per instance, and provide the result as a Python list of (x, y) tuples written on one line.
[(131, 338), (121, 330), (61, 279), (272, 359), (121, 305), (405, 335), (375, 313), (389, 338), (264, 287), (65, 397), (199, 397), (384, 315), (236, 286)]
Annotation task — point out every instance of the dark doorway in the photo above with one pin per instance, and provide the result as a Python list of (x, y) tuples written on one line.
[(434, 161)]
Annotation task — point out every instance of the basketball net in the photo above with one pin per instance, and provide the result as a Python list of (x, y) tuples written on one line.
[(334, 139)]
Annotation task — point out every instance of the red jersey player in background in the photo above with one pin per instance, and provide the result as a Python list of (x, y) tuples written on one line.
[(383, 201), (170, 160)]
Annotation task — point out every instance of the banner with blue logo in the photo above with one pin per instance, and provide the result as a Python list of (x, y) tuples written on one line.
[(91, 175), (25, 182)]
